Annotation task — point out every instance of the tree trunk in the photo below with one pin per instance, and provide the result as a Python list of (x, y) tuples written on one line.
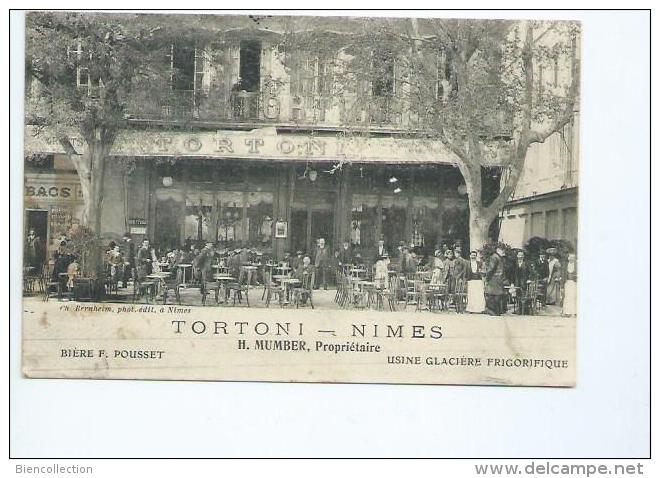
[(479, 227), (94, 207)]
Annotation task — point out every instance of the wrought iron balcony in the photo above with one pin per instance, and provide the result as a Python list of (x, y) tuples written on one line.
[(198, 105)]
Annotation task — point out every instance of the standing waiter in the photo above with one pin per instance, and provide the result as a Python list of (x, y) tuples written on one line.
[(494, 287)]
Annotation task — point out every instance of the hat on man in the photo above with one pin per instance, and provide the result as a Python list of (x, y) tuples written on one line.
[(551, 250)]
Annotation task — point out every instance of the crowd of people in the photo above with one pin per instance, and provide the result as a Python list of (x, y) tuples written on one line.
[(492, 282)]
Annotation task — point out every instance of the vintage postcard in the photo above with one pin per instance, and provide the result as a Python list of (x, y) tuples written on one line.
[(300, 199)]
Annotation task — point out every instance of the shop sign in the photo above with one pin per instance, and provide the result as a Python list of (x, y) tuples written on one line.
[(137, 225), (265, 144), (52, 191)]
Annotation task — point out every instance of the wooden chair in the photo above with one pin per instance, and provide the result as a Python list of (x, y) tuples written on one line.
[(50, 286), (238, 289), (529, 299), (143, 288), (413, 291), (112, 279), (460, 295), (391, 293), (541, 289), (271, 289), (424, 297), (207, 287), (172, 284), (303, 295)]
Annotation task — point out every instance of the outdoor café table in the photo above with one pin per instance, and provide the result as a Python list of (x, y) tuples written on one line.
[(224, 279), (356, 272), (164, 266), (158, 277), (423, 275), (288, 282), (184, 266), (282, 269), (221, 268), (249, 268)]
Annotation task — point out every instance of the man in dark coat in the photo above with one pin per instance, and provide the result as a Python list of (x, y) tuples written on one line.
[(461, 266), (128, 252), (34, 250), (520, 276), (520, 272), (346, 254), (143, 263), (321, 262), (494, 283), (203, 262), (379, 251)]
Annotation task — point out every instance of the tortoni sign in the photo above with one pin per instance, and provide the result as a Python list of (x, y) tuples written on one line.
[(258, 144)]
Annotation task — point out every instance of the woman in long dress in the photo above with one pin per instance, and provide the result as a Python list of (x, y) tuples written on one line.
[(476, 302), (554, 278), (570, 287)]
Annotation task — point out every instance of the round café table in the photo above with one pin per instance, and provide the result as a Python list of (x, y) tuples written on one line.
[(223, 279), (287, 283), (184, 267), (158, 278)]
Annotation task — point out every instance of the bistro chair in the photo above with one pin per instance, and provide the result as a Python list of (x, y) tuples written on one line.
[(390, 293), (344, 290), (237, 289), (172, 284), (438, 297), (271, 289), (303, 295), (143, 289), (208, 287), (112, 279), (540, 293), (413, 291), (50, 286), (528, 299), (423, 298), (460, 295), (338, 281)]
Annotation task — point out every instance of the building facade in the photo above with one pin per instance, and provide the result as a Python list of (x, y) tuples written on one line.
[(545, 203), (245, 145)]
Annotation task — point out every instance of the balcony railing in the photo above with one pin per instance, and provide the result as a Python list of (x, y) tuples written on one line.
[(245, 106), (199, 105), (217, 106)]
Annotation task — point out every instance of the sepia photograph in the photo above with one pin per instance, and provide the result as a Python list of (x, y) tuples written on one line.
[(381, 192)]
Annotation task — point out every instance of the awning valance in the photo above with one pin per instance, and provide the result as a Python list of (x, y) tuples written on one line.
[(260, 144)]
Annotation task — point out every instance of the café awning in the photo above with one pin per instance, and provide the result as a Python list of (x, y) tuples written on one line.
[(260, 144)]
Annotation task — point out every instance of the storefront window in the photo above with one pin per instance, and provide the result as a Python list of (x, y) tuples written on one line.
[(363, 219), (260, 218), (230, 217), (199, 207)]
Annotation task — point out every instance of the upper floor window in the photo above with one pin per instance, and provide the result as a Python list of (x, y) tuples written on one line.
[(312, 76), (187, 66), (383, 83), (250, 66)]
